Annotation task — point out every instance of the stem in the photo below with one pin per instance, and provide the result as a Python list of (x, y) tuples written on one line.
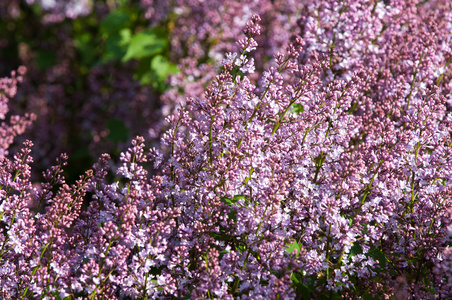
[(210, 140), (327, 255)]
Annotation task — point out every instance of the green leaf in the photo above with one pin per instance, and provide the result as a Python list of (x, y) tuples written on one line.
[(155, 270), (86, 47), (295, 277), (295, 246), (81, 153), (355, 250), (122, 2), (348, 217), (143, 72), (227, 201), (237, 197), (305, 292), (231, 201), (37, 9), (154, 71), (159, 288), (126, 36), (118, 130), (186, 297), (113, 49), (376, 254), (145, 43), (45, 59), (114, 22), (163, 67), (116, 34), (300, 288), (369, 297), (297, 108), (57, 296)]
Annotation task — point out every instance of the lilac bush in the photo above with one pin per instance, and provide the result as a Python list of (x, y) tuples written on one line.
[(202, 35), (84, 93), (326, 175), (17, 124), (56, 11)]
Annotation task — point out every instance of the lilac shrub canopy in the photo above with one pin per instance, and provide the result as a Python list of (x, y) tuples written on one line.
[(97, 74), (323, 172)]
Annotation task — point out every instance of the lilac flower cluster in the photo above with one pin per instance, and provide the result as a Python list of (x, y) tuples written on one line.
[(203, 33), (326, 174), (56, 11), (17, 124)]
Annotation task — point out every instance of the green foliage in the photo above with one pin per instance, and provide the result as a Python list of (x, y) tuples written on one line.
[(120, 38), (57, 296), (294, 247), (146, 43), (161, 68), (112, 31), (297, 108), (114, 22), (300, 288), (45, 59), (231, 202), (355, 250), (149, 47), (306, 288), (118, 130), (377, 254), (85, 44)]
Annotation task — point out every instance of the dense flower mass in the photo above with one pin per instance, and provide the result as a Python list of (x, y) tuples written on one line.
[(58, 10), (323, 172)]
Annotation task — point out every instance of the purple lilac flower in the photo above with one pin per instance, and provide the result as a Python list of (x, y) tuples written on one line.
[(328, 173)]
